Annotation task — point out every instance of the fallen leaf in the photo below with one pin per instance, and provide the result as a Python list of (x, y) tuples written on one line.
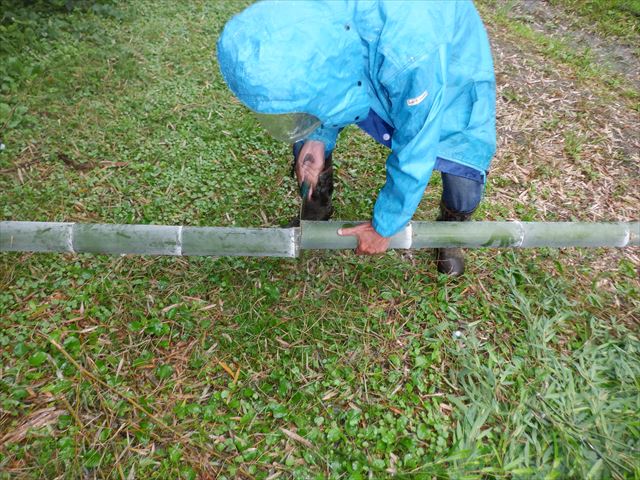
[(38, 419), (227, 369), (296, 437)]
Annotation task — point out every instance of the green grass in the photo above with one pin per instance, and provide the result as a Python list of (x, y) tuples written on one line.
[(174, 367), (564, 51), (619, 18)]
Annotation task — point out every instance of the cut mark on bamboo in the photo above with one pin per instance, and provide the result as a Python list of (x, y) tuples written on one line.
[(627, 236), (179, 241), (405, 238), (294, 242), (522, 234), (69, 228)]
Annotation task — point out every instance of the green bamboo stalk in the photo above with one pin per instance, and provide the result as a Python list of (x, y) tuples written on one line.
[(286, 242), (121, 239), (147, 239), (35, 237), (247, 242), (323, 235)]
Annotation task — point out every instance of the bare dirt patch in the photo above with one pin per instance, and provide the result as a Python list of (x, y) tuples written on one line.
[(568, 148), (619, 56)]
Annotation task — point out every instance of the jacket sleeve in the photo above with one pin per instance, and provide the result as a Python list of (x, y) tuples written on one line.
[(326, 135), (416, 95)]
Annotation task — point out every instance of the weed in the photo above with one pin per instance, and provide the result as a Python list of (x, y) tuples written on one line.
[(573, 145), (611, 17)]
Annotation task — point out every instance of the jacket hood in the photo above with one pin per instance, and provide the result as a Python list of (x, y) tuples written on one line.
[(297, 56)]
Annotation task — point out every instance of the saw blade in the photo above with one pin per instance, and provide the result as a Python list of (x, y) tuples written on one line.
[(304, 193)]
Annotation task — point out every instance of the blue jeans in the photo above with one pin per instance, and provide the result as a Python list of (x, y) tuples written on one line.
[(460, 194)]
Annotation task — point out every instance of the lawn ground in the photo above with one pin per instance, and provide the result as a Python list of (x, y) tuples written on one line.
[(330, 365)]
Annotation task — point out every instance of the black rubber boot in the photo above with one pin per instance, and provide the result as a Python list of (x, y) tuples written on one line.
[(451, 260), (319, 206)]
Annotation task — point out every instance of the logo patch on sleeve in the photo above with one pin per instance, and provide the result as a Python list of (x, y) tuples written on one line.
[(412, 102)]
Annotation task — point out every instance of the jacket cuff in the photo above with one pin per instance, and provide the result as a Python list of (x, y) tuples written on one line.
[(384, 230), (328, 136)]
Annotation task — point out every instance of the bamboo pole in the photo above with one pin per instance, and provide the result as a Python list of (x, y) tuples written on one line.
[(323, 235), (286, 242), (147, 239)]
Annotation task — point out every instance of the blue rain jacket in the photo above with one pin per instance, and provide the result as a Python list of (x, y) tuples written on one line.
[(422, 67)]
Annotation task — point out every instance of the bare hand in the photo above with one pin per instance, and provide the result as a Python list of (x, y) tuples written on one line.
[(370, 242), (310, 163)]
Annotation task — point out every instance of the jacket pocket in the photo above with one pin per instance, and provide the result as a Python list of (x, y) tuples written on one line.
[(482, 110), (459, 107)]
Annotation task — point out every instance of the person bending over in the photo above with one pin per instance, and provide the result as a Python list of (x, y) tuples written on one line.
[(416, 76)]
